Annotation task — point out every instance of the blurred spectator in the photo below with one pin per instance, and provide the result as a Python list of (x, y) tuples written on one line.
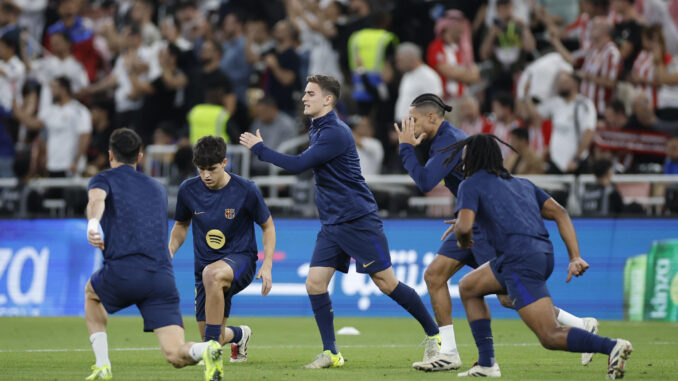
[(283, 63), (472, 121), (191, 22), (561, 12), (574, 120), (541, 76), (32, 17), (258, 42), (68, 125), (165, 101), (102, 127), (315, 23), (627, 32), (370, 150), (601, 198), (9, 27), (667, 78), (360, 13), (208, 76), (142, 15), (521, 9), (60, 64), (170, 35), (643, 73), (20, 201), (507, 44), (12, 72), (81, 36), (183, 165), (526, 161), (209, 117), (505, 119), (644, 118), (601, 65), (418, 78), (276, 127), (671, 163), (370, 58), (451, 55), (234, 61), (131, 77), (615, 115)]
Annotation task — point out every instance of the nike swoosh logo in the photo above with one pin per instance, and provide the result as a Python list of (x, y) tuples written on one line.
[(367, 264), (196, 212)]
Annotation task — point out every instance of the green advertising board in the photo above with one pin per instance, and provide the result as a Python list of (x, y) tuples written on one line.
[(651, 284)]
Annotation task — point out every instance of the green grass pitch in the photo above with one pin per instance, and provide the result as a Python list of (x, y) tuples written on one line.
[(59, 349)]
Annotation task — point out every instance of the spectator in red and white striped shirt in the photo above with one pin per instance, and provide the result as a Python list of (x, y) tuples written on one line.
[(503, 108), (451, 54), (472, 121), (601, 65), (643, 74)]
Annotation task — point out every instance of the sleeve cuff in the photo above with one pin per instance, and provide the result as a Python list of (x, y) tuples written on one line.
[(258, 148)]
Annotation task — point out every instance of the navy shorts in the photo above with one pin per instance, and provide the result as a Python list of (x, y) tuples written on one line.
[(243, 266), (524, 277), (154, 293), (362, 239), (480, 253)]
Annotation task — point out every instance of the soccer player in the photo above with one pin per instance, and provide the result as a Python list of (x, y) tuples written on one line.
[(130, 209), (223, 207), (426, 121), (511, 211), (348, 213)]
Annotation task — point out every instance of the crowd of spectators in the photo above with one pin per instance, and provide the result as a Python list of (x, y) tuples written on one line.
[(573, 85)]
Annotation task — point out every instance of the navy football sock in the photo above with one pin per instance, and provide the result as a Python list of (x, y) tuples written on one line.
[(579, 340), (324, 317), (482, 333), (410, 301), (212, 332), (237, 334)]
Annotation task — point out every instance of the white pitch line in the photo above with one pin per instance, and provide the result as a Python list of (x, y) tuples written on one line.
[(288, 347)]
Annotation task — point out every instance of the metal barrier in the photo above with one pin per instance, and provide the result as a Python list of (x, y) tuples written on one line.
[(158, 160), (398, 183)]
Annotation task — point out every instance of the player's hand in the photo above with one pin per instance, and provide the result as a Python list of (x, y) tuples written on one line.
[(93, 235), (577, 268), (265, 275), (249, 140), (470, 245), (450, 229), (406, 135)]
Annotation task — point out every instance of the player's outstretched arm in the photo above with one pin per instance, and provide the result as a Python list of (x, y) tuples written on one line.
[(178, 236), (96, 205), (326, 148), (552, 210), (463, 228), (268, 236)]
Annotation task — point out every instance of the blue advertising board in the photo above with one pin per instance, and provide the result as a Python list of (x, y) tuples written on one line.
[(45, 264)]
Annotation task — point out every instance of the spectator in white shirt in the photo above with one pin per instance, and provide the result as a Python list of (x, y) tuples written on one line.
[(60, 64), (370, 150), (132, 78), (276, 127), (142, 14), (574, 120), (418, 78), (68, 125), (12, 72)]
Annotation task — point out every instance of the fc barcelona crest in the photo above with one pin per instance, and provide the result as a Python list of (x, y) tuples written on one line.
[(229, 213)]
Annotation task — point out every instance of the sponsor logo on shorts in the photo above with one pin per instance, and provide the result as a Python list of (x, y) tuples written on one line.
[(215, 239), (366, 265), (229, 213)]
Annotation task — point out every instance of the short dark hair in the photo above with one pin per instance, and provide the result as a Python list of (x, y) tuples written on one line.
[(431, 100), (601, 167), (65, 83), (125, 145), (267, 100), (327, 84), (63, 35), (209, 150), (618, 106), (10, 41), (135, 30), (521, 133), (505, 100)]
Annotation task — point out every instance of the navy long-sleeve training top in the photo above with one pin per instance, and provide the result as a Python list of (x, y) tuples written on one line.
[(341, 192)]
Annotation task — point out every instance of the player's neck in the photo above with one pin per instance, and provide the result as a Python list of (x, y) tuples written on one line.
[(116, 164), (434, 130), (321, 113), (225, 180)]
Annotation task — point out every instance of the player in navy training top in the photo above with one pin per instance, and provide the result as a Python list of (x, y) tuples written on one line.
[(348, 212), (426, 121), (132, 210), (511, 210), (223, 207)]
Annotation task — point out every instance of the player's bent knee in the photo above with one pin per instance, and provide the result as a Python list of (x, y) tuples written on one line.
[(314, 287), (433, 279)]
